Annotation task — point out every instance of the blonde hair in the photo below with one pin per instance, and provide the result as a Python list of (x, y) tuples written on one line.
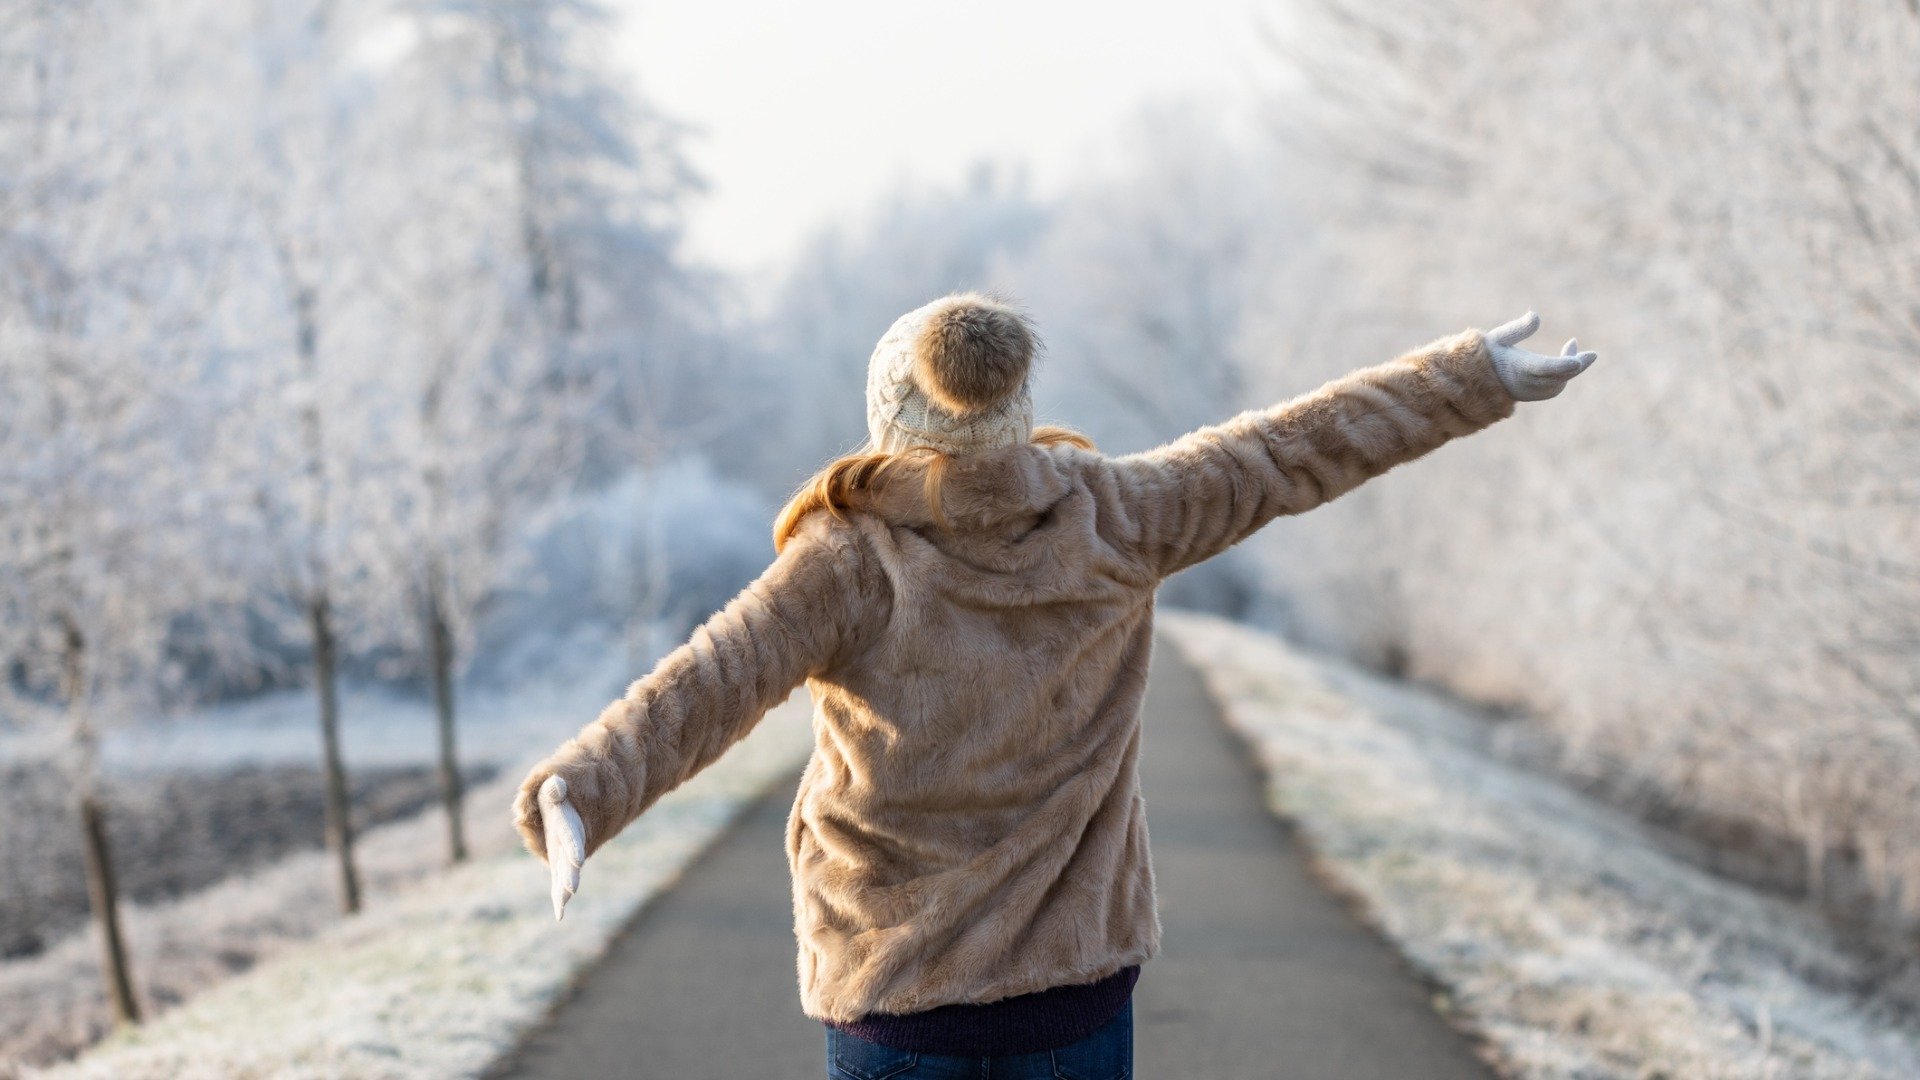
[(835, 487)]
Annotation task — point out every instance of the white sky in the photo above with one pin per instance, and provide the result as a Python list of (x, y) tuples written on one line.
[(806, 111)]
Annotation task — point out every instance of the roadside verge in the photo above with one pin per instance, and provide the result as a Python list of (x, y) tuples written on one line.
[(446, 977), (1563, 934)]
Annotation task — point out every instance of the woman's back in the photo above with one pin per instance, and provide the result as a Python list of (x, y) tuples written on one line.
[(974, 780)]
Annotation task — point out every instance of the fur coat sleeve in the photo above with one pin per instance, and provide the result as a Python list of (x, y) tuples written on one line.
[(790, 623), (1206, 491)]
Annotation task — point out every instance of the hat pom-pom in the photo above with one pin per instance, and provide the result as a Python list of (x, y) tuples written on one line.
[(973, 353)]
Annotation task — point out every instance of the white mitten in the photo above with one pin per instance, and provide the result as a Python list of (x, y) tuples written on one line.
[(566, 842), (1530, 376)]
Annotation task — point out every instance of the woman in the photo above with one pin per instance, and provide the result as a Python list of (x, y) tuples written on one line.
[(970, 603)]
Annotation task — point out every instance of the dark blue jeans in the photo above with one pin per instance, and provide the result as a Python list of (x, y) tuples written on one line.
[(1107, 1054)]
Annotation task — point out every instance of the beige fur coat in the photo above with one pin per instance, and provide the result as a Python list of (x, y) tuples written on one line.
[(970, 825)]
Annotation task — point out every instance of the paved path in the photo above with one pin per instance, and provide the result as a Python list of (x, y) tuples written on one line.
[(1261, 974)]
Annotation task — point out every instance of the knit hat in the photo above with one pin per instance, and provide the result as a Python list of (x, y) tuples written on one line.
[(952, 375)]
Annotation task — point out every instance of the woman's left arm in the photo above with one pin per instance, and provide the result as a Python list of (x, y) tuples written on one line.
[(703, 697)]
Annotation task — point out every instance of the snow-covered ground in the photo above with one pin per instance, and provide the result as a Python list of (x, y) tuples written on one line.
[(445, 971), (1564, 934)]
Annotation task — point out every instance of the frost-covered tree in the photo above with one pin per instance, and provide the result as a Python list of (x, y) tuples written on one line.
[(1736, 216), (308, 440), (308, 308), (512, 188), (103, 540)]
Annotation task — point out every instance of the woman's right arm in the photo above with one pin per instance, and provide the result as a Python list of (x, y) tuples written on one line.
[(1206, 491), (812, 605)]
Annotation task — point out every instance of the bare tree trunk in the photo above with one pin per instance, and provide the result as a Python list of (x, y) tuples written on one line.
[(103, 896), (339, 825), (433, 616), (440, 646)]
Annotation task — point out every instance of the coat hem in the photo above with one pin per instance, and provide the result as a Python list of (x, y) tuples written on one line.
[(1086, 973)]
